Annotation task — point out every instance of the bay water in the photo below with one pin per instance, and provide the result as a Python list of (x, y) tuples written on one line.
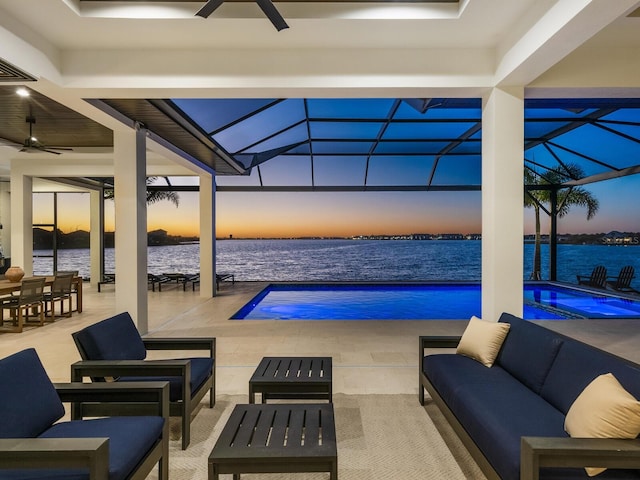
[(352, 260)]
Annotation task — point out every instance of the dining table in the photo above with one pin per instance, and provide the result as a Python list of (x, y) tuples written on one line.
[(8, 287)]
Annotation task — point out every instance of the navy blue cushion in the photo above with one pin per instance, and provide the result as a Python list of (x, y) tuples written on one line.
[(528, 351), (44, 474), (201, 368), (29, 402), (482, 399), (130, 438), (496, 409), (576, 365), (497, 415), (115, 338), (449, 372)]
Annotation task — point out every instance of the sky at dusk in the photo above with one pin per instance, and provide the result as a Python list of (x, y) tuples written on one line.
[(383, 142), (260, 214)]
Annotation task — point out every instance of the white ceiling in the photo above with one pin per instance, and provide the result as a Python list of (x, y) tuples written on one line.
[(478, 23), (63, 29), (162, 50)]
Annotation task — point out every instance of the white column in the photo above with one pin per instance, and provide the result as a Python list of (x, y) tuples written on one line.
[(5, 218), (96, 236), (502, 202), (131, 225), (22, 221), (207, 235)]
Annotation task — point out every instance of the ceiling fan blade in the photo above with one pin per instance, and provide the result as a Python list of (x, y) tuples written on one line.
[(66, 149), (49, 151), (9, 143), (208, 8), (272, 14)]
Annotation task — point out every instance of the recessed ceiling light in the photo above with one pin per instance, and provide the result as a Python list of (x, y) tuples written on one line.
[(23, 92)]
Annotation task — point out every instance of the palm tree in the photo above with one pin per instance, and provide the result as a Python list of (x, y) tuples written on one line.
[(540, 199), (153, 196)]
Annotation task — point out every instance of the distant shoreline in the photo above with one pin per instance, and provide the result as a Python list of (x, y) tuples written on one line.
[(609, 239), (350, 260), (43, 239)]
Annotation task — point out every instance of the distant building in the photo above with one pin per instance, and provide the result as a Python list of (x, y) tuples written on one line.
[(620, 238)]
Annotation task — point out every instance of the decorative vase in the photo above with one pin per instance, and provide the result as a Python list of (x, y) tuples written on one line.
[(14, 274)]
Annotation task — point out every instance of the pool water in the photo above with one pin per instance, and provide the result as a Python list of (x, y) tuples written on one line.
[(423, 302)]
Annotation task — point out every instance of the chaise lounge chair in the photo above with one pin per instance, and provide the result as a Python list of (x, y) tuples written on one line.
[(597, 279), (106, 279), (622, 283), (113, 348), (182, 278), (220, 277), (158, 280)]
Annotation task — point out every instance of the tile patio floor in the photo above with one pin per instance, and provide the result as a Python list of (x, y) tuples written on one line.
[(369, 357)]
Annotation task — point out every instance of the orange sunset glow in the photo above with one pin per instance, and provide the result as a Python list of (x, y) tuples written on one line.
[(287, 215), (275, 215)]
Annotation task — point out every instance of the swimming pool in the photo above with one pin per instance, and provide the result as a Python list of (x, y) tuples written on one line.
[(429, 301)]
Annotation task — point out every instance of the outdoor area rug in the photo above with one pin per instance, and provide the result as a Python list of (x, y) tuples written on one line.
[(379, 437)]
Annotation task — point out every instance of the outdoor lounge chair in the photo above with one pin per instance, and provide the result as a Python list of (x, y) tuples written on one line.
[(34, 444), (622, 283), (597, 279), (181, 278), (221, 277), (113, 348), (106, 279), (193, 278), (157, 280)]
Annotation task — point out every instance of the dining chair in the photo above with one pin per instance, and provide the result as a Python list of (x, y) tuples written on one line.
[(74, 286), (31, 297), (60, 292)]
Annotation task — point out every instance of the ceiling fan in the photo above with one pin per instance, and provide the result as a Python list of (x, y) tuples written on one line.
[(265, 5), (31, 143)]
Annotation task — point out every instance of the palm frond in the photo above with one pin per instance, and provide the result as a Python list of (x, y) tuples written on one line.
[(152, 196), (567, 198)]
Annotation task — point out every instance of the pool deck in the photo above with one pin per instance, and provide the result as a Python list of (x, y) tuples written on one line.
[(369, 357)]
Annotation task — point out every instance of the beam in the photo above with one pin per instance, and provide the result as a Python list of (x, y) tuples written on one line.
[(599, 177), (559, 31), (343, 188)]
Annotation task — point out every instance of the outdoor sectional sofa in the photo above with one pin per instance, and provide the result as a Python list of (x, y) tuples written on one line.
[(511, 416)]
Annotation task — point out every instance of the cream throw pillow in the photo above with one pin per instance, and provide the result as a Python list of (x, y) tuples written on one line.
[(604, 409), (482, 340)]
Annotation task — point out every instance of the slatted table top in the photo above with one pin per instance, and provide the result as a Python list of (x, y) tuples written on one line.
[(304, 378), (281, 370), (273, 433)]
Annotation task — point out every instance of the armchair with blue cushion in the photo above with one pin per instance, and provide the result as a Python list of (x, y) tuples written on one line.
[(35, 444), (113, 349)]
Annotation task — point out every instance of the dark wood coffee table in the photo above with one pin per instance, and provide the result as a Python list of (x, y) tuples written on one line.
[(305, 378), (276, 438)]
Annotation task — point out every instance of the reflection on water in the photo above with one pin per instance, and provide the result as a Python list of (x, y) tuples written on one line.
[(352, 260)]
